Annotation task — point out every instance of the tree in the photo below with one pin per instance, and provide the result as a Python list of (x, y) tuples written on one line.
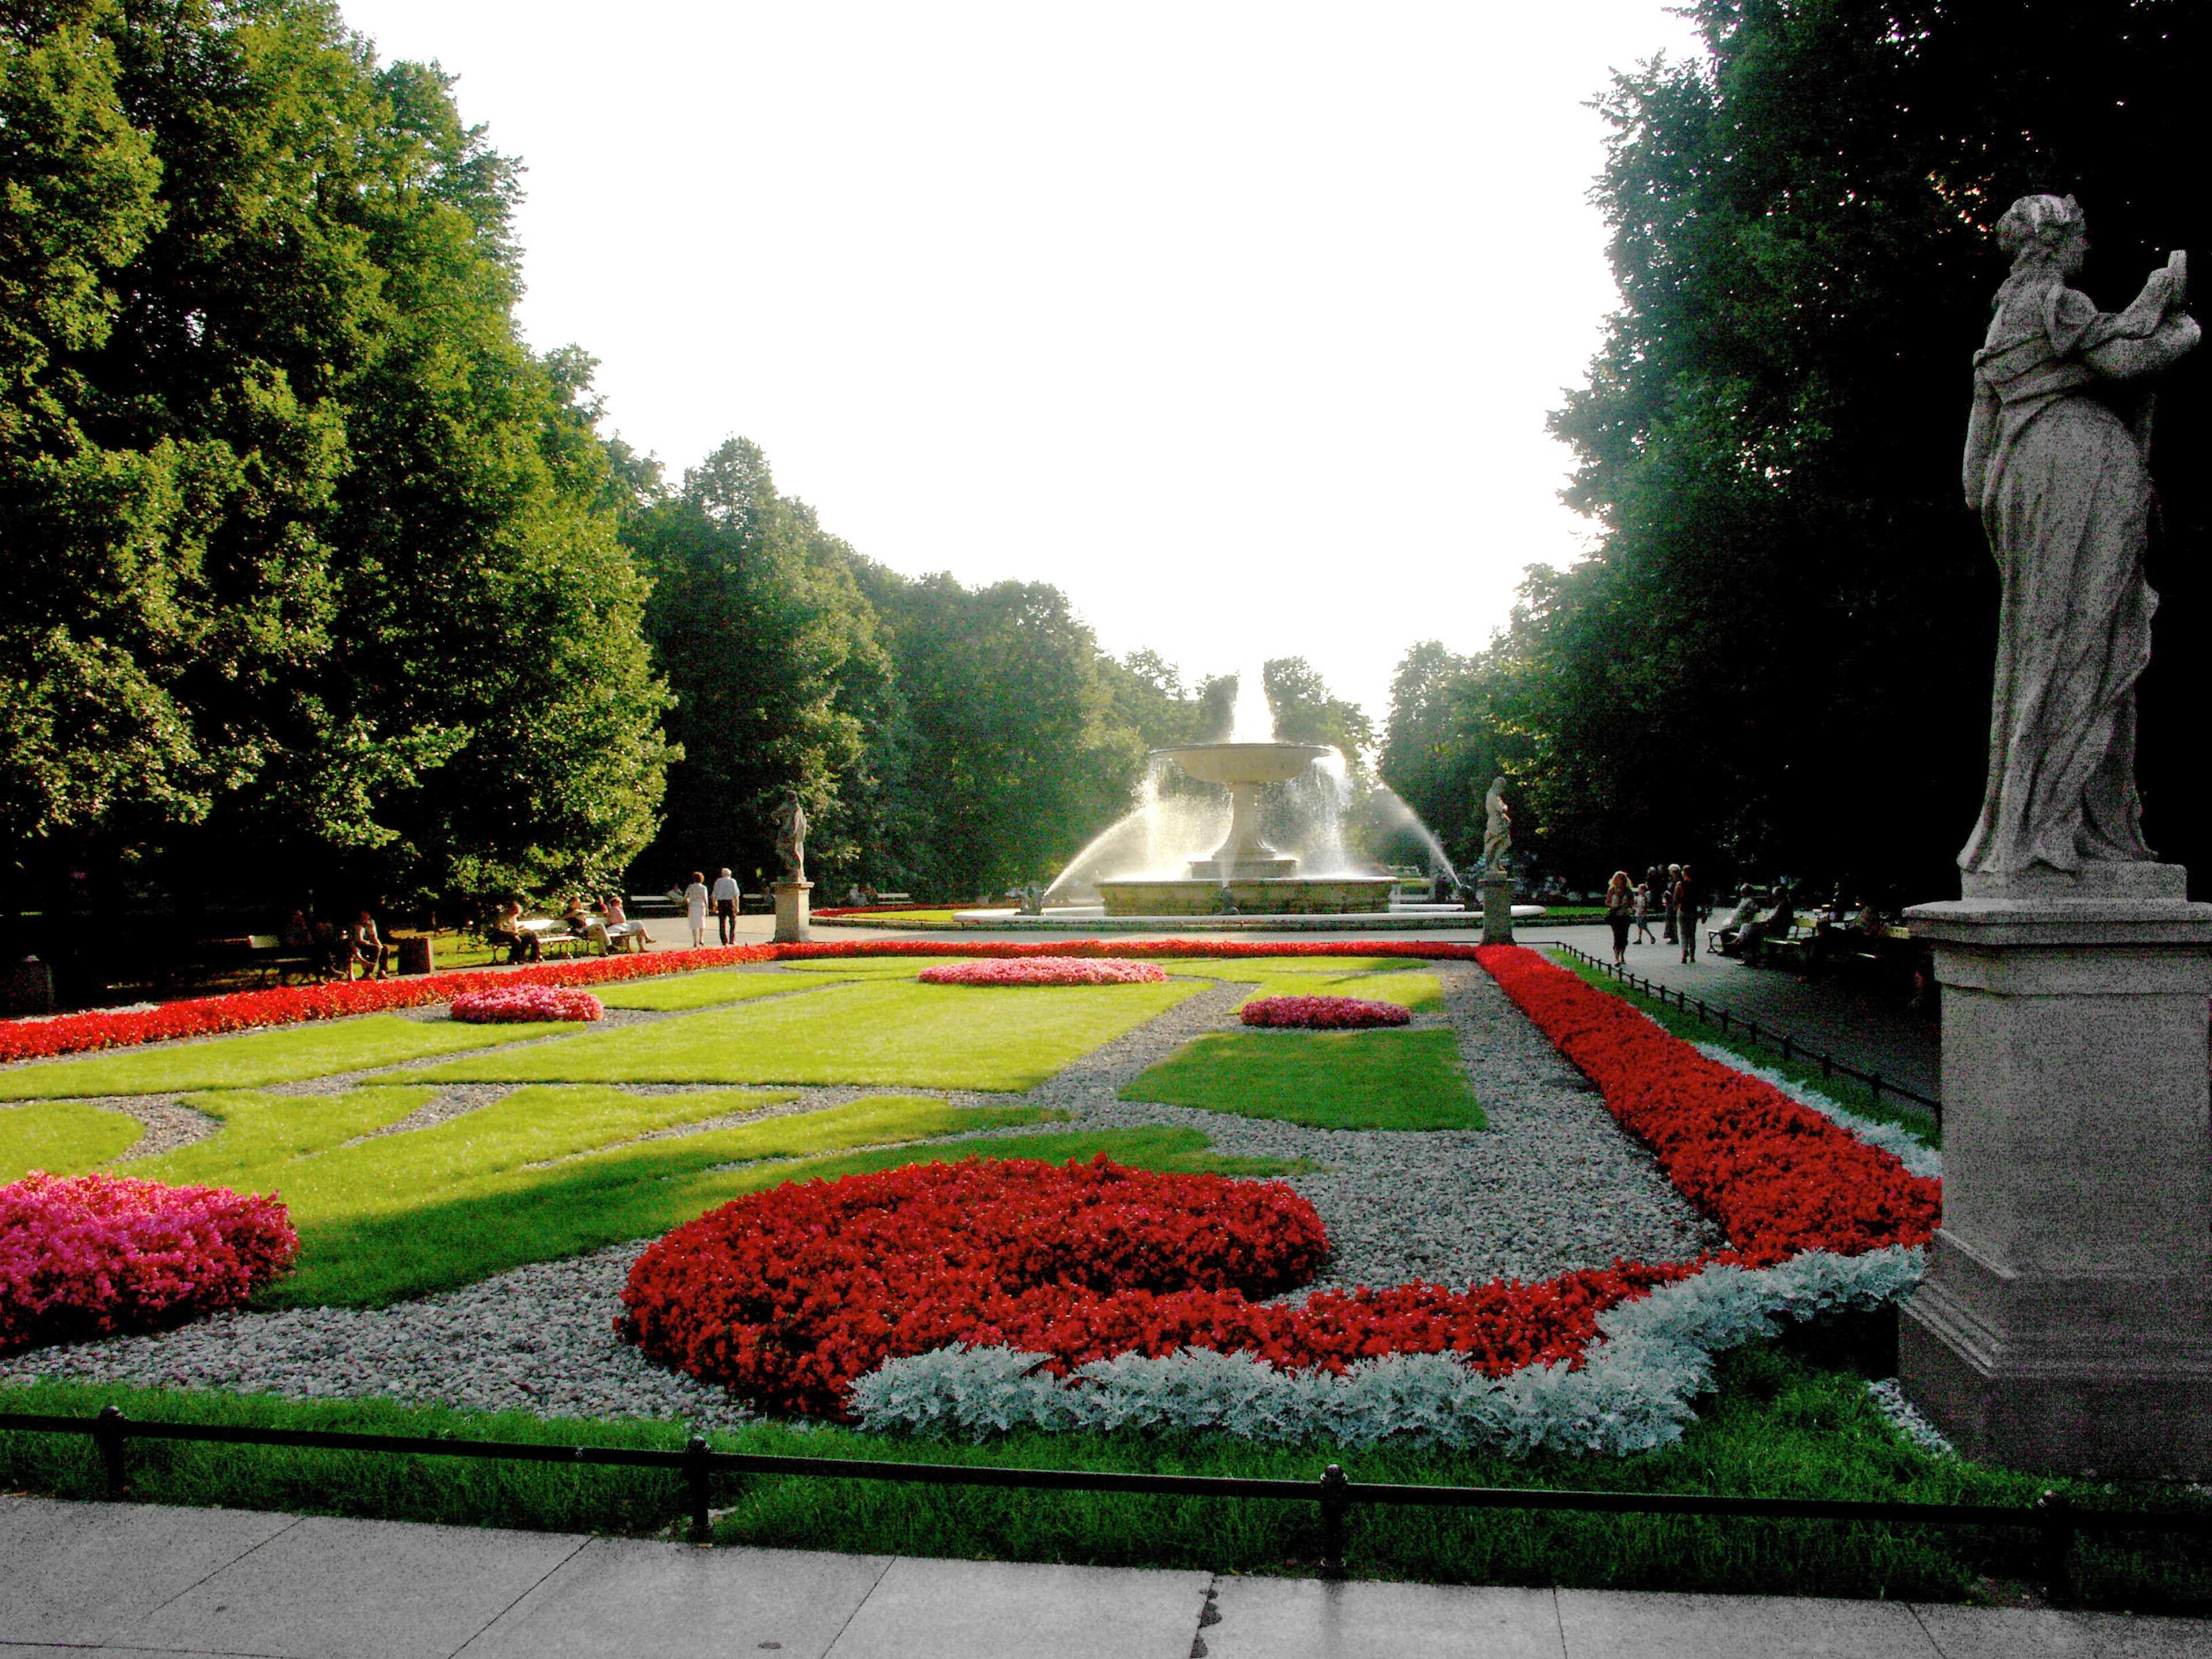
[(1781, 653)]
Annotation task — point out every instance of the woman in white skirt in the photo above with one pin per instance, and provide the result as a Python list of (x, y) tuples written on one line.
[(694, 908)]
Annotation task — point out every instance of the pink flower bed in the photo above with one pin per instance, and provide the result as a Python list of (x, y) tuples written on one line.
[(1323, 1013), (91, 1254), (1045, 970), (520, 1003)]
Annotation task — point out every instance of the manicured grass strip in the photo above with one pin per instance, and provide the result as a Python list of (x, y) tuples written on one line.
[(1323, 1079), (868, 967), (253, 1061), (712, 987), (1780, 1425), (891, 1034), (362, 1246), (62, 1138), (1851, 1095), (1374, 979), (263, 1135)]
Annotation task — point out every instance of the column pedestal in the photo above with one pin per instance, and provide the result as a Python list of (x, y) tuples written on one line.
[(1497, 892), (791, 911), (2066, 1324)]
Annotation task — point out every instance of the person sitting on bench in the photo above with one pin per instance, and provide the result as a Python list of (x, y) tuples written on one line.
[(369, 951), (1739, 919), (507, 929)]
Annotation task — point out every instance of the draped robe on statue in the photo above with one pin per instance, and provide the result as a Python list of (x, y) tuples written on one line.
[(2064, 491)]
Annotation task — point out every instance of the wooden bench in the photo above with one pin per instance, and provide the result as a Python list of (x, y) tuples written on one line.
[(269, 953)]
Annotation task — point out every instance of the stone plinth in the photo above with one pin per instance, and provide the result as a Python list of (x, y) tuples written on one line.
[(1496, 890), (2067, 1323), (791, 911)]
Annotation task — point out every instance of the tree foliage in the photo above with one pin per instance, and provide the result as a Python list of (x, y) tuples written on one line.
[(1779, 658), (313, 570)]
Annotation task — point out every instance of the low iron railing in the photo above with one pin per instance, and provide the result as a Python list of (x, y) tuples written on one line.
[(2055, 1519), (1792, 1048)]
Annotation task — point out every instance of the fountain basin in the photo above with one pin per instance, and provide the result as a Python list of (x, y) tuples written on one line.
[(1256, 895)]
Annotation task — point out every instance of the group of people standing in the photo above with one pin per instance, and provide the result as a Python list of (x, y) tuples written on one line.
[(724, 897), (1668, 893)]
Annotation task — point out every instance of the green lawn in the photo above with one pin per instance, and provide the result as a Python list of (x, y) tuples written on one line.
[(1375, 979), (887, 1034), (260, 1058), (1782, 1422), (62, 1138), (1323, 1079), (705, 989)]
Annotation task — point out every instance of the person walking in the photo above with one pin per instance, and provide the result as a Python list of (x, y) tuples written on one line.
[(1673, 881), (1643, 902), (695, 909), (725, 905), (1619, 910), (1686, 912)]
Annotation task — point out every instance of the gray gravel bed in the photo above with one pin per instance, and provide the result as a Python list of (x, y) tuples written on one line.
[(168, 1123), (1553, 1184)]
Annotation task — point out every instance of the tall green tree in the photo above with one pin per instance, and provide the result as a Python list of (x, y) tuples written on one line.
[(1781, 653), (314, 562)]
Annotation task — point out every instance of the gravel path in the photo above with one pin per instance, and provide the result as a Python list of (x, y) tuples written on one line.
[(1553, 1184)]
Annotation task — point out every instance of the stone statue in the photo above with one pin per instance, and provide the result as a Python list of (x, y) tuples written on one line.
[(2056, 465), (791, 837), (1498, 830)]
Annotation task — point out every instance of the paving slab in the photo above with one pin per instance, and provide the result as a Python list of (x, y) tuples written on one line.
[(1019, 1610), (79, 1573), (1639, 1625), (1307, 1619), (326, 1588), (2041, 1634), (616, 1598)]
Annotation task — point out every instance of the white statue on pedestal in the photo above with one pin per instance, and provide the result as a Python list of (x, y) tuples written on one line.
[(2063, 484)]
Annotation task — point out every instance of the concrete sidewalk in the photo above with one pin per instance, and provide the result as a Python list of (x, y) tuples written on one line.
[(142, 1579)]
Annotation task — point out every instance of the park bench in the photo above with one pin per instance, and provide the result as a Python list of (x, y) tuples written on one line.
[(654, 904), (269, 953)]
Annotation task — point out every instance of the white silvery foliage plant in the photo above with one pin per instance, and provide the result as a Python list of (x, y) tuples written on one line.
[(1653, 1356)]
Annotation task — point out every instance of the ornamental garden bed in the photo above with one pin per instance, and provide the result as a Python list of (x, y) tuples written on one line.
[(606, 1144)]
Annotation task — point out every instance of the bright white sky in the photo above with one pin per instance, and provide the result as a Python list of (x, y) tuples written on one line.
[(1237, 322)]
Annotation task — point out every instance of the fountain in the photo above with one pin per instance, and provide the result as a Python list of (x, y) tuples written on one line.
[(1244, 873)]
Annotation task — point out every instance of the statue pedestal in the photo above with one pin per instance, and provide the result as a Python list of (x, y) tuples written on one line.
[(791, 911), (2066, 1324), (1496, 890)]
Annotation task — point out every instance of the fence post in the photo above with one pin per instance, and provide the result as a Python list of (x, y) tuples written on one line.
[(1826, 1057), (1785, 1048), (1751, 1027), (1332, 1506), (2058, 1512), (1874, 1082), (695, 1479), (1704, 1019), (108, 1429)]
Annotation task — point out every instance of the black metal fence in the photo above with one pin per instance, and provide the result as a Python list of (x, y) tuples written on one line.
[(1792, 1048), (2055, 1519)]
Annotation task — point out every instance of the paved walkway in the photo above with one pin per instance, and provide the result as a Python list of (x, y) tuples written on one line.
[(141, 1579)]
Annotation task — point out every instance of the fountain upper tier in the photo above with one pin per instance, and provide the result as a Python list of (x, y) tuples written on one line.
[(1244, 768)]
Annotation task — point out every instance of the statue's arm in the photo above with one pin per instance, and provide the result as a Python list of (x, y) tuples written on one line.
[(1981, 438), (2152, 334)]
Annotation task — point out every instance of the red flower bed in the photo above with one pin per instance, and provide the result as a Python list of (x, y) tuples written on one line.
[(788, 1296), (522, 1004), (1323, 1013), (96, 1253), (1045, 970), (1780, 1177)]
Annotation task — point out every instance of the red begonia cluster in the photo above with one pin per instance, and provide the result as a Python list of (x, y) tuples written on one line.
[(523, 1003), (1045, 970), (1323, 1013), (88, 1255), (1779, 1177), (788, 1296)]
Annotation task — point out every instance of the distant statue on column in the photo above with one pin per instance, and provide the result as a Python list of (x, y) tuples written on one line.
[(2057, 466), (1498, 830), (791, 837)]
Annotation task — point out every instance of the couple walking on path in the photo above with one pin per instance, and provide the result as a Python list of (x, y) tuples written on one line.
[(725, 898)]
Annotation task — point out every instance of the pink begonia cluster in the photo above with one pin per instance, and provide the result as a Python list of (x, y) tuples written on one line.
[(1323, 1013), (87, 1255), (1045, 970), (516, 1005)]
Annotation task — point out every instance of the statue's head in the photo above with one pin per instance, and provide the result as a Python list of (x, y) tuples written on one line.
[(2045, 230), (1497, 784)]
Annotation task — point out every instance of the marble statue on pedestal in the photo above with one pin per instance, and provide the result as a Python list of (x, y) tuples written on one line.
[(791, 837), (1498, 830), (2057, 464)]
